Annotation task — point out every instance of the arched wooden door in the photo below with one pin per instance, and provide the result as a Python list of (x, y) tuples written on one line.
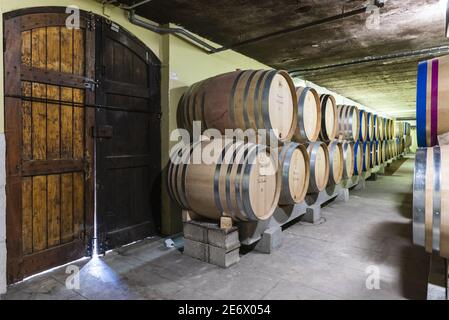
[(48, 142), (128, 144)]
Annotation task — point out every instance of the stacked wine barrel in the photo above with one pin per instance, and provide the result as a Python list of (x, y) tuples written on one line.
[(303, 143), (432, 101), (431, 200)]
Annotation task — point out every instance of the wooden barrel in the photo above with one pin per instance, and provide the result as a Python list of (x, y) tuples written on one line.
[(319, 167), (432, 101), (373, 151), (399, 129), (358, 158), (262, 99), (295, 169), (348, 122), (379, 158), (431, 200), (376, 127), (238, 179), (329, 118), (309, 115), (370, 131), (336, 157), (348, 152), (363, 120), (384, 151), (366, 156), (407, 129)]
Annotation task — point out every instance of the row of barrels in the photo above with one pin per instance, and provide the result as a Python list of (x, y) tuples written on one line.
[(247, 181), (355, 124), (432, 101), (268, 100), (431, 200)]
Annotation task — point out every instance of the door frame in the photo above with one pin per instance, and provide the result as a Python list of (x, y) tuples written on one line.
[(16, 269)]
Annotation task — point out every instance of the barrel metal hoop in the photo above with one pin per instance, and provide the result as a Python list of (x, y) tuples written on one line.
[(217, 176), (301, 122), (265, 100), (285, 159), (257, 103), (232, 98), (242, 180), (228, 174), (245, 100), (437, 199), (419, 198)]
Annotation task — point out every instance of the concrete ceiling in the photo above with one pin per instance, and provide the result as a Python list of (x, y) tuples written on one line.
[(386, 85)]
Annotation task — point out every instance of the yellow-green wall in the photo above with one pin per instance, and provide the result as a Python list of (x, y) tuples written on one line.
[(182, 65)]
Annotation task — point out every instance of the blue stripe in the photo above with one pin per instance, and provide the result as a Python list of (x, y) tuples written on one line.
[(421, 99)]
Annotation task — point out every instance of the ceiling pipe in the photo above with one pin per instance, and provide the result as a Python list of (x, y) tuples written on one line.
[(180, 32), (134, 6), (394, 56)]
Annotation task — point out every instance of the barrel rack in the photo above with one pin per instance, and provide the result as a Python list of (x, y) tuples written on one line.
[(267, 235)]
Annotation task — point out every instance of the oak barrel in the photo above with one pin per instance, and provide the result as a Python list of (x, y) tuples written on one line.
[(370, 132), (366, 156), (431, 200), (432, 101), (309, 115), (358, 158), (348, 122), (348, 152), (336, 158), (363, 120), (220, 177), (252, 99), (319, 166), (295, 169), (329, 118)]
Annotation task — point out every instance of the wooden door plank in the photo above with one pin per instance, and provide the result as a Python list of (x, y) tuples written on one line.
[(66, 207), (66, 50), (53, 49), (53, 125), (27, 215), (78, 52), (26, 48), (26, 123), (39, 48), (78, 125), (39, 213), (39, 123), (66, 124), (54, 210), (78, 204)]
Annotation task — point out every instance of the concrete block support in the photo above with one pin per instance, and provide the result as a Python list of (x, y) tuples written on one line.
[(271, 240)]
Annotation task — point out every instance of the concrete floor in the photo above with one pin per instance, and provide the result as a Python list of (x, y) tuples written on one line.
[(327, 261)]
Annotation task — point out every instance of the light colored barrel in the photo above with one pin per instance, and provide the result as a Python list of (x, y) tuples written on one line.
[(253, 99), (378, 153), (431, 200), (370, 130), (381, 125), (348, 152), (358, 158), (329, 118), (348, 122), (236, 179), (432, 103), (309, 115), (366, 156), (295, 169), (319, 166), (384, 151), (363, 127), (336, 158), (373, 158), (376, 127)]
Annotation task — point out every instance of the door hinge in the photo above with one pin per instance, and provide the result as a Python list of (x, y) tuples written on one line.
[(115, 27), (91, 84)]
